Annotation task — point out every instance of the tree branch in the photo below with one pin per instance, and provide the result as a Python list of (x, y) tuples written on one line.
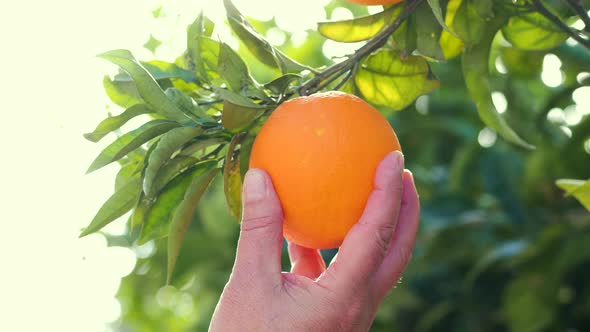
[(376, 42), (578, 8), (553, 18)]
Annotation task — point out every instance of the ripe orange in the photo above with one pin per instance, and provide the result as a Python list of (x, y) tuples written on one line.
[(375, 2), (321, 152)]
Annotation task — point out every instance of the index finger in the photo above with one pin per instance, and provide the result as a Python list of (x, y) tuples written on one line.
[(367, 242)]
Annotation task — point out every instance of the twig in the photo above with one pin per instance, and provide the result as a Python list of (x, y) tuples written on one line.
[(345, 79), (376, 42), (578, 8), (553, 18)]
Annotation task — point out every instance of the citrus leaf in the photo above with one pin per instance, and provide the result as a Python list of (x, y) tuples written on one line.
[(450, 43), (124, 94), (233, 69), (245, 151), (200, 145), (117, 205), (183, 215), (147, 87), (257, 45), (158, 213), (404, 37), (238, 99), (477, 78), (169, 143), (580, 189), (235, 117), (385, 79), (438, 14), (131, 141), (174, 167), (533, 32), (468, 23), (160, 70), (357, 29), (126, 173), (188, 106), (115, 122), (281, 84), (501, 251), (232, 179), (428, 32), (202, 51)]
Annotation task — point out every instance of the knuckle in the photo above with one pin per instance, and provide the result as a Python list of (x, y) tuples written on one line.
[(382, 235), (250, 224)]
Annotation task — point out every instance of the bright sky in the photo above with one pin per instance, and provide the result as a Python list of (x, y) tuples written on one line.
[(51, 94)]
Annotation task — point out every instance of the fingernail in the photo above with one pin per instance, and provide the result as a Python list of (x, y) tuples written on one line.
[(398, 160), (254, 186)]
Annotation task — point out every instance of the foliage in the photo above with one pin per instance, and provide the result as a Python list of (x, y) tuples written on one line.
[(500, 246)]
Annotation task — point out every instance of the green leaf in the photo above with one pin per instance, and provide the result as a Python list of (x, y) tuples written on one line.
[(238, 99), (533, 32), (202, 51), (438, 14), (280, 85), (245, 151), (233, 70), (232, 179), (404, 38), (183, 215), (152, 44), (188, 106), (115, 122), (174, 167), (124, 94), (117, 205), (169, 143), (157, 215), (143, 203), (450, 43), (201, 144), (127, 172), (235, 117), (468, 22), (523, 64), (477, 78), (161, 70), (580, 189), (385, 79), (131, 141), (358, 29), (259, 46), (147, 87), (502, 251), (428, 32), (526, 304)]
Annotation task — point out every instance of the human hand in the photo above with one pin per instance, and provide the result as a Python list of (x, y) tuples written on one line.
[(343, 297)]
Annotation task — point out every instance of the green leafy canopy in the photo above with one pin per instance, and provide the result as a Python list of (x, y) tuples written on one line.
[(205, 108)]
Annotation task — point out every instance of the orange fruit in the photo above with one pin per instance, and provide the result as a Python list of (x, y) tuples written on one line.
[(375, 2), (321, 152)]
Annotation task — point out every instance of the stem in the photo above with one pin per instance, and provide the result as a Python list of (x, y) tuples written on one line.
[(345, 79), (376, 42), (579, 9), (553, 18)]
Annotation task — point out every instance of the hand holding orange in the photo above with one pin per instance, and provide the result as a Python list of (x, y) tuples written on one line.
[(321, 152)]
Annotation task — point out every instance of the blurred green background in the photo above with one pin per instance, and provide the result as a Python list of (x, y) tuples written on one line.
[(499, 249)]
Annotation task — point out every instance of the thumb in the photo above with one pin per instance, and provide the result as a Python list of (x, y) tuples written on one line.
[(261, 234)]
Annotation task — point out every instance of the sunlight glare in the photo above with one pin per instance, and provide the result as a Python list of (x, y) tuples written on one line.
[(487, 137), (551, 74)]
